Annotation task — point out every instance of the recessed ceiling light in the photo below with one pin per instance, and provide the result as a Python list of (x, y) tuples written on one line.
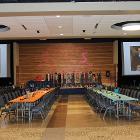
[(59, 27), (131, 27), (87, 38), (58, 16), (61, 34), (43, 39), (4, 28)]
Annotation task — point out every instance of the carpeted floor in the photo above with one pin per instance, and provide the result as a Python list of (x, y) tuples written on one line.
[(89, 133), (103, 133), (71, 119), (21, 133)]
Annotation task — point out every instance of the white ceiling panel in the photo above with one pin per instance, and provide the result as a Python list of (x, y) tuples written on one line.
[(87, 23), (66, 23), (69, 26)]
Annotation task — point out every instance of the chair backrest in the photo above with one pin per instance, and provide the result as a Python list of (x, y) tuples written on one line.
[(6, 98), (13, 94), (10, 96), (128, 92), (123, 91), (132, 92), (134, 95), (138, 95), (16, 93), (2, 103)]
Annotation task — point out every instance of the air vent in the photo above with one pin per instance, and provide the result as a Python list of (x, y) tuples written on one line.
[(25, 28), (96, 25)]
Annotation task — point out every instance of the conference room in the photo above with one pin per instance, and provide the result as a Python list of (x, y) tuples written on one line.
[(69, 70)]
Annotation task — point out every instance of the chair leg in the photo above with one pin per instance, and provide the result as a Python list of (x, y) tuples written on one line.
[(42, 115), (7, 115), (105, 113)]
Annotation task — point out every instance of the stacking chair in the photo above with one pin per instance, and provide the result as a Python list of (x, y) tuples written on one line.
[(6, 98), (138, 95), (122, 91), (109, 107), (133, 94), (9, 110), (38, 109), (135, 109), (127, 92), (13, 95), (10, 96)]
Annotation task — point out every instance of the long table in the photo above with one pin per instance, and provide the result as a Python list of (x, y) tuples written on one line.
[(29, 99), (119, 99), (72, 90)]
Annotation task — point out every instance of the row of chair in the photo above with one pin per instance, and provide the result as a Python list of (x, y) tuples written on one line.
[(10, 95), (41, 106), (100, 103), (34, 85), (44, 105), (131, 92)]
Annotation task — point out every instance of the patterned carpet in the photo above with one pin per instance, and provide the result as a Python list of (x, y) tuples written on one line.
[(21, 133), (103, 133), (89, 133)]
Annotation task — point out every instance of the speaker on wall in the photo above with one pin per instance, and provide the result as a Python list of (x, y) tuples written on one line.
[(108, 73)]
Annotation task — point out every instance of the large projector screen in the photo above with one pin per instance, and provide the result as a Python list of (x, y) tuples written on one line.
[(131, 58), (5, 61)]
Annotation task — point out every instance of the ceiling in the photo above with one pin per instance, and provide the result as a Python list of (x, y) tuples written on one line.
[(33, 1), (71, 26), (67, 26)]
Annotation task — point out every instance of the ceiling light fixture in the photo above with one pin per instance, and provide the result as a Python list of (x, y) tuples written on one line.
[(127, 26), (58, 16), (4, 28), (43, 39), (131, 27), (87, 38), (61, 34), (59, 27)]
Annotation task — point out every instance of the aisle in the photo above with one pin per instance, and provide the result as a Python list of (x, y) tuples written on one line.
[(72, 111), (74, 119), (58, 118)]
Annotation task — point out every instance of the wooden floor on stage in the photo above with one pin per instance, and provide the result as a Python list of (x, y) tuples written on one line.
[(71, 118)]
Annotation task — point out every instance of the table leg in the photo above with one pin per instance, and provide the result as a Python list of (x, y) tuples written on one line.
[(29, 112), (22, 110), (117, 110), (17, 112), (129, 111)]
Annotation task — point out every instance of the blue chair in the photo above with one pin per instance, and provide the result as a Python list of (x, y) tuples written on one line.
[(9, 110), (38, 109)]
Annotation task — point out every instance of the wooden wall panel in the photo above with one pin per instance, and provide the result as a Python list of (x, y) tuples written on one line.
[(39, 59)]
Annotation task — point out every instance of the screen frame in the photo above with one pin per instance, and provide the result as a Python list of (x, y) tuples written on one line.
[(7, 81), (126, 67), (126, 80)]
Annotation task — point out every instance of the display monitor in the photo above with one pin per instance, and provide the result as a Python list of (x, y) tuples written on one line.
[(131, 58)]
